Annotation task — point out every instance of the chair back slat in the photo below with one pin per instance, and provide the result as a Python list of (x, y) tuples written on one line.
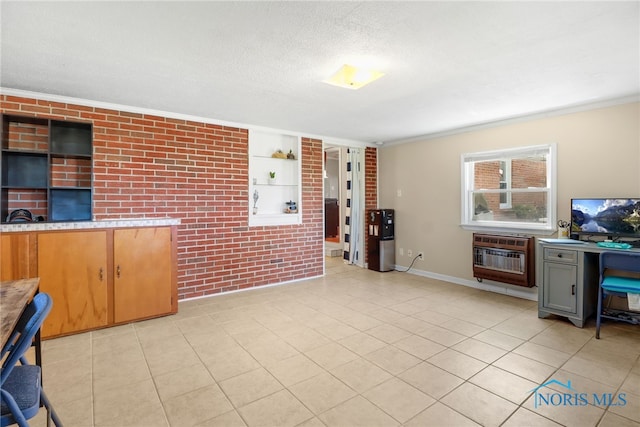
[(626, 261)]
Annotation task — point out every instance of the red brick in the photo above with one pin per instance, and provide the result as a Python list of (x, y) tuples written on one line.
[(197, 172)]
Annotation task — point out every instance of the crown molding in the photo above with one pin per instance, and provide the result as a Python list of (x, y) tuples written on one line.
[(576, 108), (172, 115)]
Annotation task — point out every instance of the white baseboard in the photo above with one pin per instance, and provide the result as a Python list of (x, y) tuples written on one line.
[(486, 285)]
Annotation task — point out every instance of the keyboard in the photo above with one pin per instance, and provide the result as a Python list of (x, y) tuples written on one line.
[(613, 245)]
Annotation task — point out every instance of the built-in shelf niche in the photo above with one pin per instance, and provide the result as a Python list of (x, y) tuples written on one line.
[(273, 194)]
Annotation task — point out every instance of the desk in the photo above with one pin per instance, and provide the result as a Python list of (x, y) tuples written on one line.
[(14, 297), (567, 276)]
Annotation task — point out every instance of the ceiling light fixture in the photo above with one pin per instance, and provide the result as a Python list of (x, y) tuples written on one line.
[(351, 77)]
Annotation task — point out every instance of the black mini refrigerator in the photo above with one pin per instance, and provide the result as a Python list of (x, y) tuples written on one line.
[(381, 246)]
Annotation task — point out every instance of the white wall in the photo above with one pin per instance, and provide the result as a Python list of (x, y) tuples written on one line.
[(332, 182), (598, 156)]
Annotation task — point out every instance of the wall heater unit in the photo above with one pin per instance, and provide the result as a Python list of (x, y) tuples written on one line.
[(504, 259)]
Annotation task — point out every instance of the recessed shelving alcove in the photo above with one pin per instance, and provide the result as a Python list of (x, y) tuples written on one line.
[(268, 197)]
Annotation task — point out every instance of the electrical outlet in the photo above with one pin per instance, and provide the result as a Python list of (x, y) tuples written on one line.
[(401, 251), (409, 253), (421, 255)]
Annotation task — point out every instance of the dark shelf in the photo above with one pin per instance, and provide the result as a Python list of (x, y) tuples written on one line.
[(71, 156), (71, 188), (70, 204), (29, 152), (11, 121), (23, 187), (29, 148), (24, 170), (70, 138)]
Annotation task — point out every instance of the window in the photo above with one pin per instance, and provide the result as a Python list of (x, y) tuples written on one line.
[(505, 183), (510, 190)]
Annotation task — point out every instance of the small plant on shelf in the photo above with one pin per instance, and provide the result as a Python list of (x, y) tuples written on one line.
[(272, 177)]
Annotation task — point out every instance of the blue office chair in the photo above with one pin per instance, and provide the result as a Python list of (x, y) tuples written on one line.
[(615, 284), (20, 383)]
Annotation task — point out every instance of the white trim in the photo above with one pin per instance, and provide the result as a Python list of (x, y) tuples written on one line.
[(518, 229), (172, 115), (270, 285), (570, 109), (486, 285), (347, 143)]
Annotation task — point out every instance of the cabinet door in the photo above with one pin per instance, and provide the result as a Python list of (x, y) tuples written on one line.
[(73, 269), (15, 257), (560, 290), (143, 273)]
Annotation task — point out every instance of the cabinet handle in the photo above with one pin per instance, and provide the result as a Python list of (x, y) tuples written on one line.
[(100, 274), (573, 289), (118, 271)]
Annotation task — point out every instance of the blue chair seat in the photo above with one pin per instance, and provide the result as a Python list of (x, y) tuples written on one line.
[(621, 284), (23, 384)]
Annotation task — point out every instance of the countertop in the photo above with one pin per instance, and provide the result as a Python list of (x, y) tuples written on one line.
[(79, 225)]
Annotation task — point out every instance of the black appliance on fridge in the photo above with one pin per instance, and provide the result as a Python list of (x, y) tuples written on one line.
[(381, 249)]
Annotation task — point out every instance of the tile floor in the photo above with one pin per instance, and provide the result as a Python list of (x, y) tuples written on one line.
[(354, 348)]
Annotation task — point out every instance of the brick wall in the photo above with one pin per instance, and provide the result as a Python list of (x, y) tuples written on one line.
[(31, 137), (152, 166), (70, 172), (524, 173), (370, 186)]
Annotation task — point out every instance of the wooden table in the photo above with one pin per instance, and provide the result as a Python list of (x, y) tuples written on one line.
[(14, 297)]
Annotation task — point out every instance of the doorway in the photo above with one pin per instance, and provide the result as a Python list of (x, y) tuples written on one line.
[(343, 172), (333, 212)]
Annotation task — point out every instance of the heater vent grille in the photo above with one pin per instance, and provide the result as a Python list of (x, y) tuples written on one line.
[(504, 259)]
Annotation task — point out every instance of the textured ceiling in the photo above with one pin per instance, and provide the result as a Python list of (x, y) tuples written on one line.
[(448, 64)]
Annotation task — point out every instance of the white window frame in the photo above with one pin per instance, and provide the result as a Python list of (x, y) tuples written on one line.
[(506, 172), (469, 222)]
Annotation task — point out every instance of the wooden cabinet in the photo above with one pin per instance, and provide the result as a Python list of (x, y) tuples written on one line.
[(46, 168), (16, 256), (72, 267), (142, 285), (97, 277)]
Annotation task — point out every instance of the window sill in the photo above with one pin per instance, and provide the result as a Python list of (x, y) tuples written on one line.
[(520, 229)]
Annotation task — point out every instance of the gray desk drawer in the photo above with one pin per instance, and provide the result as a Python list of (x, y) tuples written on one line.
[(561, 255)]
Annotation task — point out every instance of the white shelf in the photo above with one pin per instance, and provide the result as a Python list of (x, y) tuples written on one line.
[(275, 219)]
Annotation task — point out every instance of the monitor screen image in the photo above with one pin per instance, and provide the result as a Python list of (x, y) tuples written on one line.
[(609, 217)]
